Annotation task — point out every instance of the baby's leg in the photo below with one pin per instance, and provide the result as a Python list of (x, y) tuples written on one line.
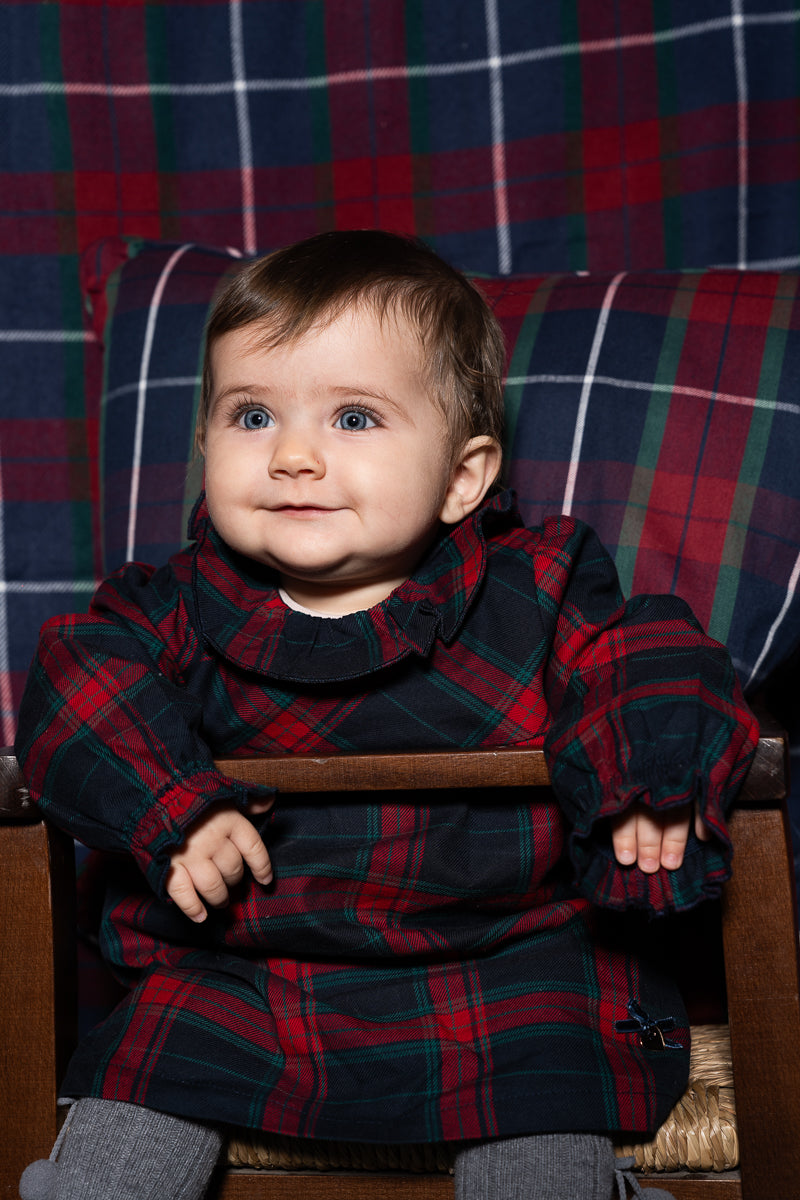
[(546, 1166), (109, 1149)]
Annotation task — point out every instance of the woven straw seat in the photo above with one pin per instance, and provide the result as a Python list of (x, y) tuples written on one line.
[(700, 1133)]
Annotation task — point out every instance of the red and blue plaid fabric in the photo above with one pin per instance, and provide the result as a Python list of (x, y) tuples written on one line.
[(421, 968), (542, 137), (661, 408), (554, 136)]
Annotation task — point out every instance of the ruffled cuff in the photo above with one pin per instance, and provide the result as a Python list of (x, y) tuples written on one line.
[(706, 865), (163, 825)]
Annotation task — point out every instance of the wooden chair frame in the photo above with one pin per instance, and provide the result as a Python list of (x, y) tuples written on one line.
[(759, 932)]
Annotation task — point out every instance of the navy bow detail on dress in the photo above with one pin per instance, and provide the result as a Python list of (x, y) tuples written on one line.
[(651, 1031)]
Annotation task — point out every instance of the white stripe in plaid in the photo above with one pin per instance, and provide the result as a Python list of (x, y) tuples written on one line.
[(7, 715), (742, 123), (420, 71), (498, 138), (166, 381), (46, 335), (667, 389), (588, 381), (47, 587), (791, 263), (776, 624), (141, 403), (243, 128)]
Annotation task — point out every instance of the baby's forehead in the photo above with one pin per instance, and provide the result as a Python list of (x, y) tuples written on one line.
[(368, 318), (358, 348)]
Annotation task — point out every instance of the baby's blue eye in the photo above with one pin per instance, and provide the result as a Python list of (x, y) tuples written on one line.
[(354, 420), (254, 418)]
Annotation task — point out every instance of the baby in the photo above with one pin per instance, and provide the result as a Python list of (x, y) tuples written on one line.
[(380, 969)]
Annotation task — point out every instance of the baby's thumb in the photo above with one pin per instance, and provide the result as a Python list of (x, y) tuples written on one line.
[(257, 807)]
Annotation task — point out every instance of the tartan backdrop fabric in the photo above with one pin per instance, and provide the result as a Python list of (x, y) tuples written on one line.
[(678, 444), (559, 136)]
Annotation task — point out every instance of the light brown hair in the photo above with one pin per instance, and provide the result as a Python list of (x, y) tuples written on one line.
[(316, 280)]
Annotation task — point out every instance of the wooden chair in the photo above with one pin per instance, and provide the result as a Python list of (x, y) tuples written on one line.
[(759, 934)]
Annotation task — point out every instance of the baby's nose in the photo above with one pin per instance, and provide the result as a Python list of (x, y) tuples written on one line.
[(295, 452)]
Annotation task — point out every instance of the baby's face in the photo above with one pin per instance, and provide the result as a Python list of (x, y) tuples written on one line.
[(327, 459)]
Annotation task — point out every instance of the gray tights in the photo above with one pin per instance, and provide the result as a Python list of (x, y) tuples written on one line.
[(547, 1166), (108, 1148)]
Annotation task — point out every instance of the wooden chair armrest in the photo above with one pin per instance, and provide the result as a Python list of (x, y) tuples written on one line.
[(760, 940), (38, 994), (505, 766), (767, 781), (15, 800)]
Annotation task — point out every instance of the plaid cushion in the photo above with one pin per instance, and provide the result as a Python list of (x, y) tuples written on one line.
[(514, 136), (661, 408)]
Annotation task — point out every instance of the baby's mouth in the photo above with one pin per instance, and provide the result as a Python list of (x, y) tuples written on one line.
[(302, 510)]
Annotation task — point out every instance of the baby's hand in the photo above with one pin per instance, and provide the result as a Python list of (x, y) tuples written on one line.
[(213, 858), (653, 839)]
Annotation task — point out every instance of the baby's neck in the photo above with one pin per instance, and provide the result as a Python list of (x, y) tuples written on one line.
[(321, 601), (290, 603)]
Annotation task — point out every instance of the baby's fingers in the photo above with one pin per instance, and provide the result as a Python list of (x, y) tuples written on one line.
[(181, 890), (652, 840), (649, 839), (623, 837), (702, 832), (674, 836), (252, 849)]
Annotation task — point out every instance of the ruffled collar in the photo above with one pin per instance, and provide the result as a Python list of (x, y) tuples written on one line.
[(242, 618)]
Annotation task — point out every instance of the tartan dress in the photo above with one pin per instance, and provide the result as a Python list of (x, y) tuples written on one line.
[(427, 968)]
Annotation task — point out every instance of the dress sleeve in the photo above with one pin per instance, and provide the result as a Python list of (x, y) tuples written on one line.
[(645, 708), (109, 739)]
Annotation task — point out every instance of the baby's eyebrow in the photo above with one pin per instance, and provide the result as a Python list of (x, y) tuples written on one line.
[(357, 390), (241, 389)]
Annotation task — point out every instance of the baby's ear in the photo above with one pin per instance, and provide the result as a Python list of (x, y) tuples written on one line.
[(477, 468)]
